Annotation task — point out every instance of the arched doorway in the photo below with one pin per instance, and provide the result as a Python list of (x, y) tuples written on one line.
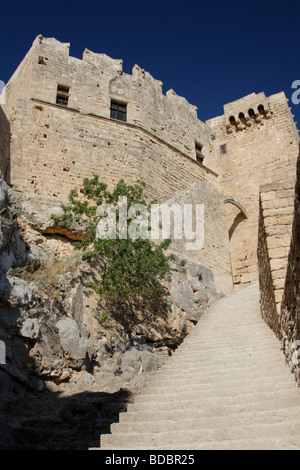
[(236, 216)]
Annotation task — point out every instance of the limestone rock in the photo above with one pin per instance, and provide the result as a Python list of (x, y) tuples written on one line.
[(38, 212), (77, 348), (136, 361), (20, 292), (85, 380), (30, 328), (12, 248)]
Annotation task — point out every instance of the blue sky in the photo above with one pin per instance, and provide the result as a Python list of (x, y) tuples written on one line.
[(210, 52)]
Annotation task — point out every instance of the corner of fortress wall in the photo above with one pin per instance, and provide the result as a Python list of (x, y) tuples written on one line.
[(260, 142), (54, 147)]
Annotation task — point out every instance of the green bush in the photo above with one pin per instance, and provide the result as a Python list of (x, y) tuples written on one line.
[(129, 269)]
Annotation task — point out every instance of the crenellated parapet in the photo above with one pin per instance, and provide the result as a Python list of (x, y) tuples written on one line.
[(96, 84), (246, 112)]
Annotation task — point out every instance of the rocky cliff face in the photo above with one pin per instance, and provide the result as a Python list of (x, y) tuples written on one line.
[(70, 365)]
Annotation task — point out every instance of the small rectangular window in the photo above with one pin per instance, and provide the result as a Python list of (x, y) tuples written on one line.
[(223, 149), (62, 95), (199, 155), (118, 111)]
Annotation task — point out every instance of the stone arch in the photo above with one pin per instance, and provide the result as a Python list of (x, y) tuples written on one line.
[(251, 113), (242, 118), (237, 217), (232, 120), (236, 202), (261, 110), (234, 218)]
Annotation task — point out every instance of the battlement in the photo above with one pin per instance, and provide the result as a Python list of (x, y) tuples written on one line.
[(96, 83), (246, 112)]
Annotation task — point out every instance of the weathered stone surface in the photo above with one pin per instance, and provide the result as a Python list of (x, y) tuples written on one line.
[(38, 212), (273, 248), (13, 251), (20, 292), (77, 348), (85, 380), (30, 328)]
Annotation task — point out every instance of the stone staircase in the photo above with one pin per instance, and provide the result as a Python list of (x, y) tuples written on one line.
[(226, 387)]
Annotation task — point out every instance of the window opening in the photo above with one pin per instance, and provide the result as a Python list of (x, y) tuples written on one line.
[(223, 149), (118, 111), (199, 155), (62, 95)]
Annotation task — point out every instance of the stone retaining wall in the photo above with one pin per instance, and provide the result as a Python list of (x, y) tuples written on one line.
[(290, 307), (275, 228)]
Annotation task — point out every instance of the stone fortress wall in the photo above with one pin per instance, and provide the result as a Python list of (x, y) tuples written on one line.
[(54, 142), (275, 231), (260, 143), (54, 145)]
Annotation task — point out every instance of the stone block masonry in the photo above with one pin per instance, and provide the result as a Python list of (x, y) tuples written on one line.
[(59, 147), (256, 144), (275, 229), (290, 307), (215, 252), (90, 86), (278, 261)]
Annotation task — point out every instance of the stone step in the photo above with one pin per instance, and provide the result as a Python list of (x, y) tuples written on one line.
[(198, 377), (192, 402), (228, 388), (234, 366), (210, 331), (249, 341), (231, 351), (183, 423), (231, 362), (238, 359), (274, 443), (220, 345), (204, 337), (195, 436), (288, 406), (178, 396)]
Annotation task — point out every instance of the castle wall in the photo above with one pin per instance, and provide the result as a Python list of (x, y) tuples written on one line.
[(214, 253), (20, 84), (275, 229), (260, 149), (279, 234), (289, 317), (55, 148), (96, 80)]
